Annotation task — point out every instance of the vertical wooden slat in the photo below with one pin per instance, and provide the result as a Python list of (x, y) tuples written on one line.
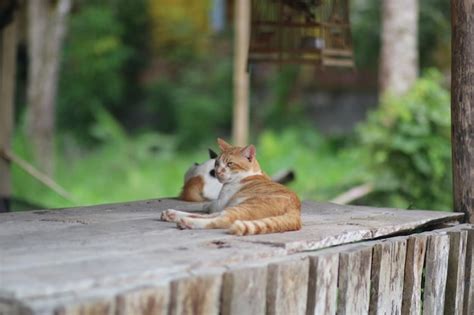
[(387, 272), (397, 271), (436, 272), (462, 106), (456, 270), (354, 281), (380, 278), (287, 287), (415, 259), (322, 286), (8, 40), (199, 295), (468, 308), (144, 301), (244, 291)]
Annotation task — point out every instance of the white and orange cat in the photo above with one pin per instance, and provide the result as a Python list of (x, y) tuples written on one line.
[(201, 183), (249, 201)]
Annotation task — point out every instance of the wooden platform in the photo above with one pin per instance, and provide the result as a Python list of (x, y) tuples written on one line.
[(120, 259)]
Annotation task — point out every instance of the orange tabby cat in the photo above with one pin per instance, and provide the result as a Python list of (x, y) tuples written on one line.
[(249, 202)]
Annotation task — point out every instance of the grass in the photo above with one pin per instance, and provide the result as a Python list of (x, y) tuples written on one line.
[(128, 168)]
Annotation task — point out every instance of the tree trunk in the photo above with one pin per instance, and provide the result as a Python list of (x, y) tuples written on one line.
[(399, 51), (462, 106), (46, 30), (240, 125), (7, 88)]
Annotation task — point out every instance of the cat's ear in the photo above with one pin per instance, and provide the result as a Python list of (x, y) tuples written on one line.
[(212, 154), (223, 145), (249, 152)]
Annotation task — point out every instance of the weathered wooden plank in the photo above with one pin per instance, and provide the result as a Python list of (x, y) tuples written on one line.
[(287, 287), (354, 281), (94, 307), (456, 270), (74, 251), (144, 301), (415, 259), (322, 285), (468, 307), (354, 223), (436, 272), (397, 270), (380, 278), (197, 295), (244, 291)]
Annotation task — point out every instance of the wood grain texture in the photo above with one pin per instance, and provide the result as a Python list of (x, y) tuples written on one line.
[(244, 291), (322, 285), (468, 307), (97, 307), (119, 247), (287, 287), (415, 259), (144, 301), (387, 275), (462, 105), (380, 278), (354, 281), (397, 271), (198, 295), (436, 271), (456, 270)]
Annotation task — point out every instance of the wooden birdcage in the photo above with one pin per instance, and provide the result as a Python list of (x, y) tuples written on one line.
[(301, 31)]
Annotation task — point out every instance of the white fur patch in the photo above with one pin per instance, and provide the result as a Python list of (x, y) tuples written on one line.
[(212, 186)]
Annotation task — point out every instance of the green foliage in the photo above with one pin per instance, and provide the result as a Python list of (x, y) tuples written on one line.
[(196, 105), (281, 108), (150, 165), (322, 171), (434, 32), (365, 26), (408, 139), (91, 73)]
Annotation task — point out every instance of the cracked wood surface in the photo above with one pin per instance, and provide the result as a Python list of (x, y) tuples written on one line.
[(58, 257)]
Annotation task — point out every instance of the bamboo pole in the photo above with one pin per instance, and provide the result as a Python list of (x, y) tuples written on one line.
[(240, 125)]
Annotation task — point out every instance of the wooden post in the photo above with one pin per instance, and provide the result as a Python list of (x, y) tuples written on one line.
[(240, 124), (7, 91), (462, 106)]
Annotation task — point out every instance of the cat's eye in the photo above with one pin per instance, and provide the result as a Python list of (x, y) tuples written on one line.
[(212, 173), (230, 164)]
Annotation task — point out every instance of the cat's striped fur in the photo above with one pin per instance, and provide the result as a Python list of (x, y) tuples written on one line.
[(250, 201)]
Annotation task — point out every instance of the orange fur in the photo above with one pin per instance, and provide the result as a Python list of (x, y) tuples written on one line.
[(192, 189), (268, 207), (258, 206)]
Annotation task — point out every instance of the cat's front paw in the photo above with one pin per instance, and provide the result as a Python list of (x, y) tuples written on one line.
[(184, 224), (169, 215)]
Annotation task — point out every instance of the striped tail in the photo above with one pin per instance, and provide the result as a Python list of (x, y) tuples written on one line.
[(281, 223)]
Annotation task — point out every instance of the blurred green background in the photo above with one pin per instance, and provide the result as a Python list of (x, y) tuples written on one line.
[(145, 87)]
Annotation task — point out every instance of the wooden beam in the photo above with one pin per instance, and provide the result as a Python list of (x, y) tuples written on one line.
[(240, 124), (7, 92), (462, 106)]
